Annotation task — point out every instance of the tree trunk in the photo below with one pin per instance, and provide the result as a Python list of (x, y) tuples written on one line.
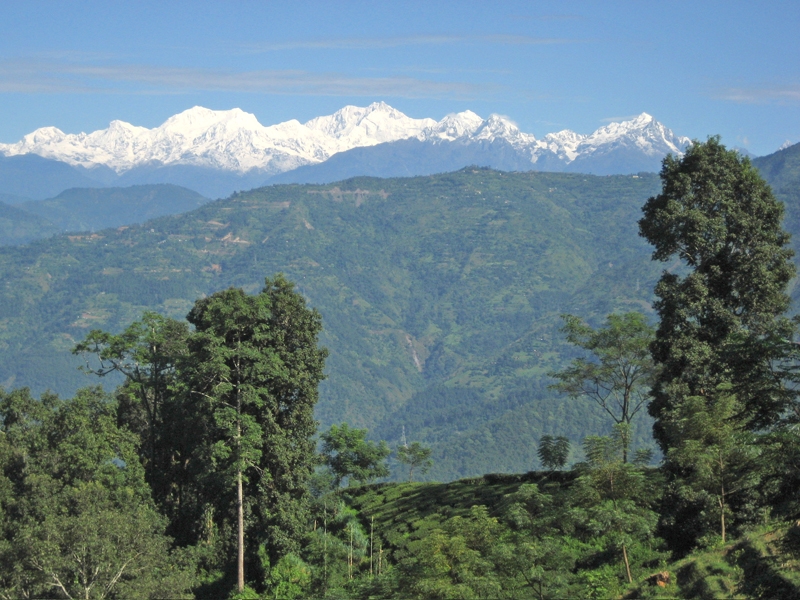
[(350, 555), (371, 533), (239, 492), (627, 564), (240, 541), (722, 517), (626, 399)]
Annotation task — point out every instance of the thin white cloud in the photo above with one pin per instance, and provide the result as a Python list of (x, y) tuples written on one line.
[(549, 17), (394, 42), (436, 71), (786, 94), (58, 77)]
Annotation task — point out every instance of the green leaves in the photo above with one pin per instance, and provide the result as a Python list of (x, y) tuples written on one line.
[(289, 578), (455, 561), (82, 521), (553, 452), (717, 457), (718, 217), (416, 456), (620, 373), (350, 455)]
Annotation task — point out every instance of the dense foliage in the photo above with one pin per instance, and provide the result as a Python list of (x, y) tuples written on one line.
[(224, 414), (720, 390), (349, 455), (78, 519), (721, 322)]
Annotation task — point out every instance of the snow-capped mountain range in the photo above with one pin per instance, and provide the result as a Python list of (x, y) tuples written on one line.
[(234, 141)]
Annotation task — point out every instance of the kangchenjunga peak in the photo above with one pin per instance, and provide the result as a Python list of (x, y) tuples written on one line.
[(234, 140)]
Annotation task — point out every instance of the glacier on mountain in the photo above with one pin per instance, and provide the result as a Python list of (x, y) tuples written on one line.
[(234, 140)]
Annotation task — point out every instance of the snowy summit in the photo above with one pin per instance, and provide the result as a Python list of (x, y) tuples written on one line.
[(234, 140)]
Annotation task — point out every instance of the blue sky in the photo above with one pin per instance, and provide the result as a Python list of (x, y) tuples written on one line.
[(729, 68)]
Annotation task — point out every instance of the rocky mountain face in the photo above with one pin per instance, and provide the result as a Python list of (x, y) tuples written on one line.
[(226, 150)]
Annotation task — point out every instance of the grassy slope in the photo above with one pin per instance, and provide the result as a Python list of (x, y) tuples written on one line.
[(402, 510), (762, 564)]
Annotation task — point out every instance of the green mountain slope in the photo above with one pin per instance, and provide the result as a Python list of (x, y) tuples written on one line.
[(781, 168), (91, 209), (20, 227), (440, 295)]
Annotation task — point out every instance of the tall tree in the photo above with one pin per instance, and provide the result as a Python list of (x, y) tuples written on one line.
[(416, 456), (721, 316), (146, 353), (349, 454), (722, 326), (253, 367), (619, 375)]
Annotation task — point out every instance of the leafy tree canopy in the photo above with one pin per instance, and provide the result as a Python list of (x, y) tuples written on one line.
[(80, 521), (621, 371), (721, 316), (350, 455), (416, 456)]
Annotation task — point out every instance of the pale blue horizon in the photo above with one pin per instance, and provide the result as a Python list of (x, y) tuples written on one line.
[(728, 68)]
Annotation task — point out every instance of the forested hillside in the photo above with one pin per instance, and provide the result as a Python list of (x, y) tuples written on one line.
[(20, 227), (206, 474), (90, 209), (440, 295)]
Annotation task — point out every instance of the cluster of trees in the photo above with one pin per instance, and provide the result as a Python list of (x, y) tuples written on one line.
[(195, 475), (78, 518), (200, 474), (718, 375), (349, 456), (209, 443)]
